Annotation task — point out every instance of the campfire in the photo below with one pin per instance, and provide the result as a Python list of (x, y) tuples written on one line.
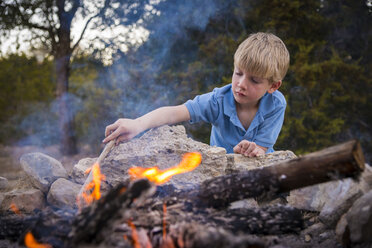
[(147, 210)]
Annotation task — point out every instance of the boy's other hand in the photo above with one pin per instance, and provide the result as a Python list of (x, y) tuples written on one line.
[(249, 149), (121, 130)]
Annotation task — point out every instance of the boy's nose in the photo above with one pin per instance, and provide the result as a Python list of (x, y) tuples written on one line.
[(241, 84)]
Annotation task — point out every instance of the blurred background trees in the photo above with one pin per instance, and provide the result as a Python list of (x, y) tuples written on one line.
[(189, 51)]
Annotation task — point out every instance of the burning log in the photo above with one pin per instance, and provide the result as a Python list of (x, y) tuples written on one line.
[(97, 216), (50, 226), (340, 161)]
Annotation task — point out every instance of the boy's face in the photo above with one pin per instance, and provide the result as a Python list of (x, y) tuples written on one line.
[(249, 89)]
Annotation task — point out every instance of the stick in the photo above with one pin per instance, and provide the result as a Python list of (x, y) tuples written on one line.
[(100, 159), (105, 151)]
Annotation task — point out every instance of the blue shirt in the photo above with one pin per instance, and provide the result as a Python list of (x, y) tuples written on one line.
[(218, 108)]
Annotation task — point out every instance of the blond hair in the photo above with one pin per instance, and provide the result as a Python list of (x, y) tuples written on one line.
[(263, 55)]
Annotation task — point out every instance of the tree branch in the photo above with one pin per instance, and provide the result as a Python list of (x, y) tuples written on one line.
[(83, 32), (87, 23), (26, 22)]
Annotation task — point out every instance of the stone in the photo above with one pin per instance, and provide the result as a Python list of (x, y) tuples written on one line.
[(63, 193), (342, 197), (78, 173), (238, 162), (366, 179), (359, 219), (26, 200), (4, 183), (328, 196), (164, 147), (42, 169)]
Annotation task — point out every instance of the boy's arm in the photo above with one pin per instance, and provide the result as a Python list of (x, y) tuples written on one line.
[(126, 129)]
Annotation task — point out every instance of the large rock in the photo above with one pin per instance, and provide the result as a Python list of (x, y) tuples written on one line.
[(26, 200), (42, 169), (327, 197), (165, 146), (63, 193), (78, 173), (341, 198)]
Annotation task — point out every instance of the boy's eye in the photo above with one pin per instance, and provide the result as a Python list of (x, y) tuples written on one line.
[(254, 80), (238, 73)]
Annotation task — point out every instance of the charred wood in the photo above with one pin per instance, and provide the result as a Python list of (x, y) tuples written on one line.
[(277, 219), (49, 226), (340, 161), (93, 218), (192, 234), (14, 226)]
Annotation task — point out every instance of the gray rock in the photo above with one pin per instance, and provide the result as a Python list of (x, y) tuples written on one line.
[(164, 147), (63, 193), (366, 179), (328, 196), (359, 219), (78, 174), (4, 183), (42, 169), (26, 200), (238, 162), (342, 197)]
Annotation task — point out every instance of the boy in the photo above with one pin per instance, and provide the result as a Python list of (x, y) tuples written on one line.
[(246, 115)]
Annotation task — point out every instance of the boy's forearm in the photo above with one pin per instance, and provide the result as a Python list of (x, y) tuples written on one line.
[(163, 116)]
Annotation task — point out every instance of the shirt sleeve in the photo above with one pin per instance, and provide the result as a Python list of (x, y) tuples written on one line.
[(203, 108), (269, 130)]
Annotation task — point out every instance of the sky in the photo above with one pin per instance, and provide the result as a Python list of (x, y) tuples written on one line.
[(92, 39)]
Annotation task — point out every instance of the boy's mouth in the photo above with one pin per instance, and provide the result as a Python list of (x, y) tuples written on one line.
[(239, 94)]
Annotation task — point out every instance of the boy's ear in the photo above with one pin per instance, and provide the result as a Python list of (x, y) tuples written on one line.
[(274, 86)]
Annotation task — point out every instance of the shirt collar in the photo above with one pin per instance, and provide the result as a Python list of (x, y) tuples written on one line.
[(230, 110)]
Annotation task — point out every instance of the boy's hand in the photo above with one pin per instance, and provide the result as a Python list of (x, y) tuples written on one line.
[(249, 149), (122, 129)]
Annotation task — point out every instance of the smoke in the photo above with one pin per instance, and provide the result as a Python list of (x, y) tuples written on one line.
[(136, 74), (41, 126), (130, 87)]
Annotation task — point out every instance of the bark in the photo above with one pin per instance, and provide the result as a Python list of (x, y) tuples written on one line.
[(62, 52), (99, 215), (344, 160)]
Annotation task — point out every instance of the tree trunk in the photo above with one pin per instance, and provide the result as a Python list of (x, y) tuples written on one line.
[(66, 116), (62, 54)]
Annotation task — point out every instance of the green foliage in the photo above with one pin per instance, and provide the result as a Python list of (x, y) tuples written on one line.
[(23, 84)]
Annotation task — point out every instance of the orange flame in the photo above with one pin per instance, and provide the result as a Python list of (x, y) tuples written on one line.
[(31, 242), (15, 209), (189, 162), (95, 184)]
